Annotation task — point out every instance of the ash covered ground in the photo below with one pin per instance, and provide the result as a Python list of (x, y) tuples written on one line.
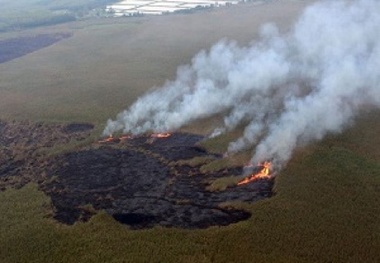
[(137, 181)]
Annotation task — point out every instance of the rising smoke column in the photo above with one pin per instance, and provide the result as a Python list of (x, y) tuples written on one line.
[(287, 89)]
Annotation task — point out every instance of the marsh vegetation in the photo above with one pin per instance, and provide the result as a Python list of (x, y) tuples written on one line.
[(326, 202)]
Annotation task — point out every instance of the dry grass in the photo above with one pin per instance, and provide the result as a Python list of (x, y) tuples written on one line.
[(108, 63), (239, 159), (326, 207), (196, 161), (223, 183), (325, 210)]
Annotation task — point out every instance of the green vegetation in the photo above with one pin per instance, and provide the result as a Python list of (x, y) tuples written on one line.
[(72, 145), (223, 183), (326, 206), (325, 210), (219, 144), (239, 159)]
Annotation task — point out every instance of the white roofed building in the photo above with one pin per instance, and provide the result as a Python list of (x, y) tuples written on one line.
[(151, 7)]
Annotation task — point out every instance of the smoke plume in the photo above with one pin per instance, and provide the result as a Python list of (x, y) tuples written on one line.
[(287, 90)]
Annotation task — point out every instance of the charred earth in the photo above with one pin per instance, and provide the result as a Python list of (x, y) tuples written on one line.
[(17, 47), (141, 181)]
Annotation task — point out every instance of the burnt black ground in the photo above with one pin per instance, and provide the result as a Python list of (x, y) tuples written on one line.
[(78, 127), (136, 182), (23, 150), (17, 47)]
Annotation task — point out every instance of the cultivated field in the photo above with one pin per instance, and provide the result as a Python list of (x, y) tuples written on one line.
[(326, 202)]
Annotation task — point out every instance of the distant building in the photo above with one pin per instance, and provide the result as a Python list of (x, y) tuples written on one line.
[(160, 7)]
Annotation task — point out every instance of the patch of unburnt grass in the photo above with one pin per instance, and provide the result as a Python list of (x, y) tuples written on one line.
[(325, 209), (221, 184), (147, 184)]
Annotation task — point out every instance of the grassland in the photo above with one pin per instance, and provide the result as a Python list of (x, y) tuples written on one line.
[(325, 210), (326, 207), (107, 64)]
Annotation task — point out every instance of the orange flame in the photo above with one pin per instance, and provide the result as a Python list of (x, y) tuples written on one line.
[(108, 139), (129, 137), (264, 173), (160, 135)]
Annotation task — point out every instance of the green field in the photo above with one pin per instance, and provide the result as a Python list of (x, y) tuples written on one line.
[(326, 207)]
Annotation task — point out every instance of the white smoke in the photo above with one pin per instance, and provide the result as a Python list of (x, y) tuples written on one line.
[(287, 89)]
